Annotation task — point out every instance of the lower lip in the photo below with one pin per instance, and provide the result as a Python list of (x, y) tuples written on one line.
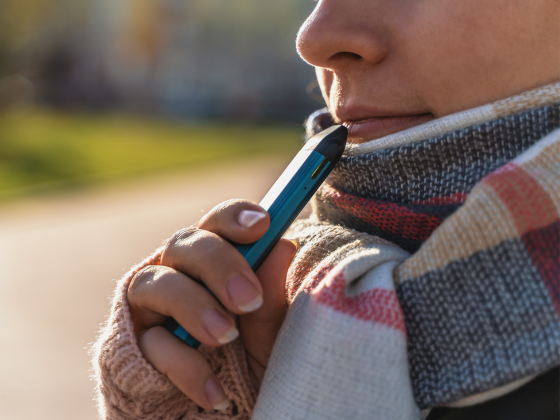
[(373, 128)]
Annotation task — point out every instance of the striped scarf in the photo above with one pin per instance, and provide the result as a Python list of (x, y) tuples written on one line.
[(429, 272)]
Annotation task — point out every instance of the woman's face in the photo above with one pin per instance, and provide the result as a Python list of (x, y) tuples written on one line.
[(387, 65)]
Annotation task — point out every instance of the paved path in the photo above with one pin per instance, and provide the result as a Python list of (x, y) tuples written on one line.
[(59, 258)]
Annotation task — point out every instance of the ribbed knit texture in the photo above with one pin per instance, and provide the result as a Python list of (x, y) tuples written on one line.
[(130, 388), (479, 298), (427, 275)]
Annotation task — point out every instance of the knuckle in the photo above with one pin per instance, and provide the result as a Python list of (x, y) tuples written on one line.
[(146, 278), (194, 239), (180, 235), (177, 243), (141, 277)]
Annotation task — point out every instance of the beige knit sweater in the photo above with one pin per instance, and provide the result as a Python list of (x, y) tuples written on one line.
[(130, 388)]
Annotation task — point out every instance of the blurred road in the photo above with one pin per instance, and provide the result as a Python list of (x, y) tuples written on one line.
[(59, 259)]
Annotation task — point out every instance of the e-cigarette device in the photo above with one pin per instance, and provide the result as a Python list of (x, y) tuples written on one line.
[(287, 198)]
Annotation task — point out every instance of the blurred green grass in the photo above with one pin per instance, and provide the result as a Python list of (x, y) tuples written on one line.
[(47, 151)]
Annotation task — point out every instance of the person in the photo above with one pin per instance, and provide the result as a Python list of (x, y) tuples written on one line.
[(427, 275)]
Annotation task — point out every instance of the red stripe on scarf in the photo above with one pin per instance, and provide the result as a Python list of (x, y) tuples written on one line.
[(529, 204), (536, 219), (458, 198), (378, 306), (389, 217)]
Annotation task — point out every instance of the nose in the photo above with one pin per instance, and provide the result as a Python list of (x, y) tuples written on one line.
[(340, 32)]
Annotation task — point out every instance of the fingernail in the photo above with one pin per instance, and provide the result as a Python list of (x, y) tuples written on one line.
[(243, 293), (248, 218), (215, 394), (219, 327)]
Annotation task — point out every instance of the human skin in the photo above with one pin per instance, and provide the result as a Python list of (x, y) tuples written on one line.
[(203, 253), (383, 66), (424, 59)]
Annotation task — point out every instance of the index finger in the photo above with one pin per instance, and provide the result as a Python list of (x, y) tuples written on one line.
[(209, 258), (240, 221)]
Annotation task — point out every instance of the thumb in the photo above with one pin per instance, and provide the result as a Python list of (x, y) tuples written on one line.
[(259, 328)]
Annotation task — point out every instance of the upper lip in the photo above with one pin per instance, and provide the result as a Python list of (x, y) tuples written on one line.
[(358, 114)]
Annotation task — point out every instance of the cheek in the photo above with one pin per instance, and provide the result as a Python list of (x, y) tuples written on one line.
[(458, 58), (439, 47)]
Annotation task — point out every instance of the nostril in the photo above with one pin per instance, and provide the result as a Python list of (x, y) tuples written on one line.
[(346, 55)]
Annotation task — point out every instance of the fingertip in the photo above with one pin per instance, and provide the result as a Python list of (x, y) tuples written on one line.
[(287, 248), (295, 242), (240, 221), (215, 394), (247, 218), (251, 222), (246, 295), (253, 305), (219, 325), (185, 367)]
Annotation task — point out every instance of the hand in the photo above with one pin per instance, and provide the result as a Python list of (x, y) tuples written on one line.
[(169, 290)]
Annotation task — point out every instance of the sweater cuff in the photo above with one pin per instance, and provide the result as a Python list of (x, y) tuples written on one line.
[(131, 388)]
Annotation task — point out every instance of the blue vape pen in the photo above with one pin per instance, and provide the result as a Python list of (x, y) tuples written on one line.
[(287, 197)]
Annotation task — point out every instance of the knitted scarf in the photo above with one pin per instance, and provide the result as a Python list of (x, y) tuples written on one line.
[(428, 275), (375, 332)]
